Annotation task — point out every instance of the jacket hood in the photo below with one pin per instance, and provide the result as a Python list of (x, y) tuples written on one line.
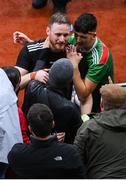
[(114, 119)]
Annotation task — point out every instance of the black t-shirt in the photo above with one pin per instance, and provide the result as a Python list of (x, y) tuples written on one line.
[(34, 57)]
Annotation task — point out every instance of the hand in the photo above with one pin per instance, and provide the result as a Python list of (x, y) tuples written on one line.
[(42, 75), (60, 137), (110, 80), (73, 55), (21, 38), (108, 90)]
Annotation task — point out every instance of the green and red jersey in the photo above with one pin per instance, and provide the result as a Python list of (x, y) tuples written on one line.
[(99, 62)]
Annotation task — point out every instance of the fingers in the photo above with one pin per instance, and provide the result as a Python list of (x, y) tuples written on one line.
[(19, 37), (110, 80), (70, 48), (45, 78), (47, 70), (60, 136), (16, 33), (16, 37), (42, 76)]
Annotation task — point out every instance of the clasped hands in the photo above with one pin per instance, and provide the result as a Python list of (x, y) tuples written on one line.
[(74, 56)]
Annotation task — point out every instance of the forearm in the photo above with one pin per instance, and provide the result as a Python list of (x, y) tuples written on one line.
[(86, 107), (80, 86), (24, 80)]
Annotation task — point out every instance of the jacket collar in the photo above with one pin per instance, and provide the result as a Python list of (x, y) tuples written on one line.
[(43, 143)]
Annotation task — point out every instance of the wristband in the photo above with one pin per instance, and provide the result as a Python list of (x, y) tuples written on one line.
[(32, 75)]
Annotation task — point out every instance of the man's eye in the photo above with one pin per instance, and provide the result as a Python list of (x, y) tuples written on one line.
[(58, 34), (65, 35)]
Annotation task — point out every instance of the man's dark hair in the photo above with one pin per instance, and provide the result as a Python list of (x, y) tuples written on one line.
[(13, 75), (40, 119), (59, 18), (85, 23)]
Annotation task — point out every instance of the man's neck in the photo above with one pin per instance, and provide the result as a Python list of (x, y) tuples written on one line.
[(41, 138)]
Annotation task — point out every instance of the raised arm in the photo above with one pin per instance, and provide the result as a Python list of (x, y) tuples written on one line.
[(21, 38), (84, 87)]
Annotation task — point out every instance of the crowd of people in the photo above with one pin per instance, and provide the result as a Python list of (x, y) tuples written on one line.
[(65, 76)]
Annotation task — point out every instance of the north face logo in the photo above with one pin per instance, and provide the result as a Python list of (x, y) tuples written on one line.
[(58, 158)]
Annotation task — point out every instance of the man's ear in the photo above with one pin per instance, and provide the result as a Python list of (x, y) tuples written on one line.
[(47, 31), (94, 35)]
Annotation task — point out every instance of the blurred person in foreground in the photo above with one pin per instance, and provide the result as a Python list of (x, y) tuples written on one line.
[(101, 140), (10, 131), (44, 157)]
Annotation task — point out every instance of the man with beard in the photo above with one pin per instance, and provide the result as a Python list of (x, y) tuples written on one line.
[(92, 67), (44, 52)]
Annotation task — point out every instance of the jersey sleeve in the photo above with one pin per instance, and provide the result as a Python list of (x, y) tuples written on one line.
[(101, 67), (96, 72), (23, 58)]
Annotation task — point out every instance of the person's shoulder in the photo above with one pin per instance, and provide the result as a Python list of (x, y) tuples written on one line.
[(35, 86), (68, 149), (18, 148), (92, 125), (66, 104), (72, 106), (34, 46), (17, 152), (100, 45)]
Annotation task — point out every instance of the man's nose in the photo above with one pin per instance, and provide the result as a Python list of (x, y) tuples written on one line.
[(62, 38)]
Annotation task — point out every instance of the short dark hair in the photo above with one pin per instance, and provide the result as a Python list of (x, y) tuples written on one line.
[(59, 18), (40, 118), (85, 23), (13, 75)]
